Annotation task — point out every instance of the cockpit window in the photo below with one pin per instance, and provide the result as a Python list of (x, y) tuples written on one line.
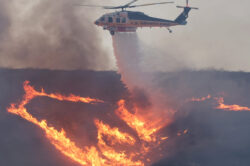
[(102, 19), (110, 19), (118, 20)]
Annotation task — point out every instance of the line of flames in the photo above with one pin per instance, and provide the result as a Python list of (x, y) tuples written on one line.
[(144, 130), (233, 107), (221, 104), (200, 99), (103, 154)]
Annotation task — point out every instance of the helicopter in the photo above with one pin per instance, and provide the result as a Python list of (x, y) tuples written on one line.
[(129, 21)]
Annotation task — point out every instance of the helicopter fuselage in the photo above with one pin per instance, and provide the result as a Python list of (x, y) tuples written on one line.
[(129, 21)]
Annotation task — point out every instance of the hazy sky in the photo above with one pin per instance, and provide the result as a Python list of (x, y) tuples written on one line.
[(217, 36)]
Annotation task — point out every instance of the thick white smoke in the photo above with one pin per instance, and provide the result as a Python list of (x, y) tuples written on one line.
[(49, 34), (130, 55)]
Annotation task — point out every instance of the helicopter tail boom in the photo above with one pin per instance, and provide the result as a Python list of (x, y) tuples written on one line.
[(181, 19)]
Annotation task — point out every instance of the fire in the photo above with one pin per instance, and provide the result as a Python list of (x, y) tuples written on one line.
[(182, 133), (59, 139), (144, 129), (72, 98), (221, 104), (114, 134), (116, 137), (233, 107), (164, 138), (105, 153), (201, 99), (185, 131)]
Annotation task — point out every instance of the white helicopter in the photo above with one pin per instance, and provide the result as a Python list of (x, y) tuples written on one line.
[(129, 21)]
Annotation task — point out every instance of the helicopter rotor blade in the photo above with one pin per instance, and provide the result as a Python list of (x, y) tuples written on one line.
[(122, 6), (149, 4), (98, 6), (111, 7), (128, 4)]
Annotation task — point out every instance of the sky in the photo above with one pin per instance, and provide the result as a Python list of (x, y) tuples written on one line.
[(58, 35)]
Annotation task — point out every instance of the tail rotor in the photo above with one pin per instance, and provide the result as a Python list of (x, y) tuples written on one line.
[(187, 6)]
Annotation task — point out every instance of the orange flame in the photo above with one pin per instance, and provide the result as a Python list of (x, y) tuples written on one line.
[(144, 130), (114, 134), (72, 98), (58, 139), (164, 138), (185, 131), (182, 133), (233, 107), (108, 137), (116, 137), (201, 99), (221, 104)]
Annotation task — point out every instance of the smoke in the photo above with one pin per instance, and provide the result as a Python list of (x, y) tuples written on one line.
[(129, 52), (212, 39), (49, 34), (4, 20), (23, 143), (214, 137)]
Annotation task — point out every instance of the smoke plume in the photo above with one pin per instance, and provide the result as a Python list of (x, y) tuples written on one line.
[(130, 54), (49, 34)]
